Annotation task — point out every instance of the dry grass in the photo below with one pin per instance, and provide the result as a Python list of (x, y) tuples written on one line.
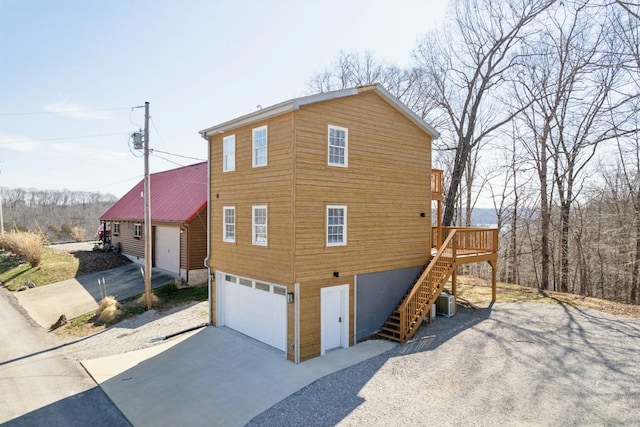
[(108, 310), (78, 234), (473, 292), (27, 245)]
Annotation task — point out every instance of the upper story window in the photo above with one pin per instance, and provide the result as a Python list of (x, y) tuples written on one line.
[(137, 231), (260, 146), (229, 153), (116, 228), (338, 146), (259, 223), (336, 225), (229, 224)]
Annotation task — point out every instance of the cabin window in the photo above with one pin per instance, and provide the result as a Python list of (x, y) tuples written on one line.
[(116, 228), (229, 153), (260, 225), (336, 225), (229, 224), (260, 146), (137, 231), (338, 146)]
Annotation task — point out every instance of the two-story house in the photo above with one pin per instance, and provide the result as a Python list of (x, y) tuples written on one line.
[(320, 218)]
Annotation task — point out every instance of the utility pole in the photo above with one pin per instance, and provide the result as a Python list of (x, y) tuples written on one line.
[(147, 214)]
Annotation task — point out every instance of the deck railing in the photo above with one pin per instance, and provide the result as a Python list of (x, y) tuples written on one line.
[(470, 240)]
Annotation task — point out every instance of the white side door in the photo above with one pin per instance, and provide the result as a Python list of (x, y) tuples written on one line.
[(334, 317)]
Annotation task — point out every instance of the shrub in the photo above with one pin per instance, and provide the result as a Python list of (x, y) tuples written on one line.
[(108, 309), (78, 234), (28, 245)]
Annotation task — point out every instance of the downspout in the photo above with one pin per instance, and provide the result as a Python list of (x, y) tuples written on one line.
[(206, 260)]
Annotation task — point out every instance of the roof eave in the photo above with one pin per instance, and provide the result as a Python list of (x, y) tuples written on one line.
[(275, 110)]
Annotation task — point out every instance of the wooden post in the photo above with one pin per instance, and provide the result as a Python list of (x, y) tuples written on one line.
[(454, 289), (493, 280), (439, 224)]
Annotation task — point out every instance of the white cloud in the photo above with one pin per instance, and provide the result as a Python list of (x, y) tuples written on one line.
[(77, 111), (19, 143)]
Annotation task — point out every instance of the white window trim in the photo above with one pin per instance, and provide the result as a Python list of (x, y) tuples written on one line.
[(137, 230), (266, 146), (346, 146), (344, 226), (224, 224), (116, 228), (226, 155), (253, 225)]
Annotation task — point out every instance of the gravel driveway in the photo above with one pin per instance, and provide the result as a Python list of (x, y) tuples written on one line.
[(512, 364)]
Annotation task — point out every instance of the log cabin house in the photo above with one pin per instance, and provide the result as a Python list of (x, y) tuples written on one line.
[(320, 222), (178, 220)]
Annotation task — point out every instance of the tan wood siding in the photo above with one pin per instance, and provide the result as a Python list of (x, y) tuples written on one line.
[(134, 247), (310, 327), (385, 187), (245, 187), (197, 242)]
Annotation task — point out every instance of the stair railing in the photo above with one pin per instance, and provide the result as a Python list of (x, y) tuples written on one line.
[(422, 296)]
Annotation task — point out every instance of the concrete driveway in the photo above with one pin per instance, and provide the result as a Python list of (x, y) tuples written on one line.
[(213, 377), (511, 363), (81, 295)]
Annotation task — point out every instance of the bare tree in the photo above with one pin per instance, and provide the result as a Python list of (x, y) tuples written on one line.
[(465, 69), (354, 70)]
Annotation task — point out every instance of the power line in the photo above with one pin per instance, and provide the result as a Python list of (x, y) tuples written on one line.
[(64, 138), (34, 113), (176, 155)]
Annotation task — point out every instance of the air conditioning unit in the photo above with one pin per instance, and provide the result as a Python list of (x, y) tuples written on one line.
[(446, 305)]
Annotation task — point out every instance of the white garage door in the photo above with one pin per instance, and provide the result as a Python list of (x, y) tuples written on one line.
[(167, 248), (256, 309)]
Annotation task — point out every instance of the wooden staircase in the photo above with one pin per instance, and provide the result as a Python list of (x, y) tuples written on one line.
[(417, 302)]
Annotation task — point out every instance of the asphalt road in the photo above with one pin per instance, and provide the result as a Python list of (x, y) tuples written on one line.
[(39, 384)]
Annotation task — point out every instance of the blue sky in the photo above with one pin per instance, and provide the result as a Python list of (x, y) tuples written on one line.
[(70, 71)]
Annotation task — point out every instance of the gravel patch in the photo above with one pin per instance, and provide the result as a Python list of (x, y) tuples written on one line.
[(514, 364), (136, 333)]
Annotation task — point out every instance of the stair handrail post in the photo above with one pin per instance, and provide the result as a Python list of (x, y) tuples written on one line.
[(403, 325)]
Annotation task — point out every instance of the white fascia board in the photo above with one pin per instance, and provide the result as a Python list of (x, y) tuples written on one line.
[(407, 112), (262, 114), (274, 110)]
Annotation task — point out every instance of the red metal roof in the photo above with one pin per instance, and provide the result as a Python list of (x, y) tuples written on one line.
[(177, 195)]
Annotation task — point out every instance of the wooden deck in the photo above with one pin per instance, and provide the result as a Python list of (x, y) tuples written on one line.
[(451, 247)]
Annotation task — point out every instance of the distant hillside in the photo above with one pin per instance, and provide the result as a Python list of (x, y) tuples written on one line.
[(484, 217), (62, 215)]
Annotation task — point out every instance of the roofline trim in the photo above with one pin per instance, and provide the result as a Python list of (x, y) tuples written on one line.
[(274, 110), (294, 104)]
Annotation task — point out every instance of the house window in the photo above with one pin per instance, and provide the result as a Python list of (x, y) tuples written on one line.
[(116, 228), (229, 224), (260, 225), (336, 225), (260, 146), (137, 231), (229, 153), (338, 146)]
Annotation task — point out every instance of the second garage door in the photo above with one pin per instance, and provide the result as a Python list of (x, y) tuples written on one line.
[(167, 249), (256, 309)]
